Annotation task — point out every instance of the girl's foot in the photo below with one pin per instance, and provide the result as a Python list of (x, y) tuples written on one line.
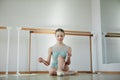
[(60, 73)]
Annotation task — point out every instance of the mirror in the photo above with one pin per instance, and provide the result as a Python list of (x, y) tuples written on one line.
[(110, 22)]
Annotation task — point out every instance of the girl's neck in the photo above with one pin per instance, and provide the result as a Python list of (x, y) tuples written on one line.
[(60, 43)]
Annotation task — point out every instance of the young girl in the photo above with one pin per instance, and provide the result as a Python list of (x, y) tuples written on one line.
[(60, 54)]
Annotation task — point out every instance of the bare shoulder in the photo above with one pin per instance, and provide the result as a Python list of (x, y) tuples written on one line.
[(50, 49), (69, 48), (69, 51)]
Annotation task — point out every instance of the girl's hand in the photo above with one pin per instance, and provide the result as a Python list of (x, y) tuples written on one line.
[(67, 62), (40, 60)]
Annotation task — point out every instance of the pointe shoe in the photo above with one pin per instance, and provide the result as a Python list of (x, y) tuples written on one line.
[(60, 73)]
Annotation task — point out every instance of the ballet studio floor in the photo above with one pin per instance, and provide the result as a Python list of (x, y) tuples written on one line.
[(79, 76)]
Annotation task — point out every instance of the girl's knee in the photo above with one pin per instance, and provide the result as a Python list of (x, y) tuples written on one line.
[(52, 73)]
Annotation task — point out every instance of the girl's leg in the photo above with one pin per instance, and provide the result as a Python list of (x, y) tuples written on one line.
[(67, 72), (66, 68), (61, 63), (52, 71)]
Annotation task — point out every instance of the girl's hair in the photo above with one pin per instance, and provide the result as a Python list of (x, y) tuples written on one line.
[(60, 29)]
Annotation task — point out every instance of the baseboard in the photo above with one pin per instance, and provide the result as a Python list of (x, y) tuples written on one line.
[(38, 72), (46, 72), (84, 71), (2, 72), (25, 72), (108, 72)]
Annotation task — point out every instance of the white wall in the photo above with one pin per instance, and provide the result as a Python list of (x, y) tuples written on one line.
[(67, 14), (97, 39), (3, 49), (70, 14), (111, 50), (110, 15)]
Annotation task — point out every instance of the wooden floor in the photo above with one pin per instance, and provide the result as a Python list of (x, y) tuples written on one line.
[(72, 77)]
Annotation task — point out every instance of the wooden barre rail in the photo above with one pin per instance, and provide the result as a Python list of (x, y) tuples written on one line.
[(112, 35), (51, 31), (2, 27)]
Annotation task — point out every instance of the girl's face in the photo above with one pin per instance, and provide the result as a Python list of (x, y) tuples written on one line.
[(59, 36)]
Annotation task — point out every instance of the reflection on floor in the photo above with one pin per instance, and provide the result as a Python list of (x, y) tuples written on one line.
[(72, 77)]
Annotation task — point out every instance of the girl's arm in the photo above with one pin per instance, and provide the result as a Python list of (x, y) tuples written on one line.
[(46, 62), (68, 61)]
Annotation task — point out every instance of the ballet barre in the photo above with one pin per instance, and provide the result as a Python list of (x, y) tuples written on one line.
[(3, 28), (52, 31), (105, 36), (112, 35), (39, 31)]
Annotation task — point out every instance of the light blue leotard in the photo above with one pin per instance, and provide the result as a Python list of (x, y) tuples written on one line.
[(58, 51)]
